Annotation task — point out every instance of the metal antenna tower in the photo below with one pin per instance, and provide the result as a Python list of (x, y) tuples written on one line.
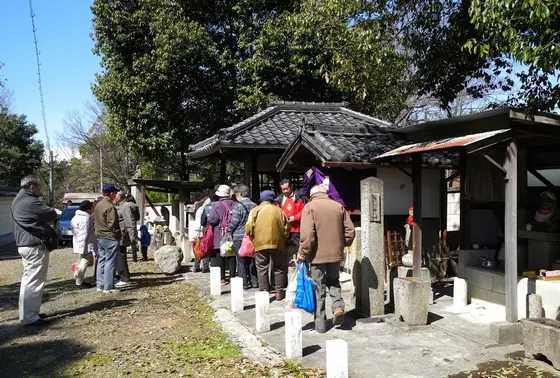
[(37, 53)]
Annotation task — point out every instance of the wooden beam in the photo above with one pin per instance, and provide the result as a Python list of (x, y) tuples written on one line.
[(223, 172), (254, 178), (453, 176), (405, 172), (542, 179), (142, 203), (442, 202), (496, 164), (152, 205), (464, 204), (417, 204), (247, 171), (510, 233)]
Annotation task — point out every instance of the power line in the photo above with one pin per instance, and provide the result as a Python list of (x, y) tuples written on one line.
[(37, 53)]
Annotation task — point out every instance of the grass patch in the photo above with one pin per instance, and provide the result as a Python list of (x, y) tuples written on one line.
[(504, 369), (208, 350)]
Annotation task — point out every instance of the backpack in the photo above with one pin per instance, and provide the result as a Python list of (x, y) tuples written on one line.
[(226, 218)]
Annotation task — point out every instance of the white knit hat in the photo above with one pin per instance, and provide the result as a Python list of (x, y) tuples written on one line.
[(318, 189), (223, 191)]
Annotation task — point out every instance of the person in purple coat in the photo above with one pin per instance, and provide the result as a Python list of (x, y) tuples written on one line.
[(219, 218)]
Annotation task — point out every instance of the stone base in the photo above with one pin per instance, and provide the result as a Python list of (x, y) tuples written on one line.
[(542, 337), (411, 300), (505, 333), (404, 271)]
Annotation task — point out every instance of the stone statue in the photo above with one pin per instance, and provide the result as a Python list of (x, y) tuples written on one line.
[(137, 172), (407, 259)]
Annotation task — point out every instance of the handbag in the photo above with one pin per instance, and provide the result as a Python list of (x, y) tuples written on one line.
[(305, 290), (207, 241), (247, 248)]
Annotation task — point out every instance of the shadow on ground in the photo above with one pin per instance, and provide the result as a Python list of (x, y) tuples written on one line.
[(39, 359)]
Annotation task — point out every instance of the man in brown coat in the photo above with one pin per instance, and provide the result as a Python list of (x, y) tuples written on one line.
[(325, 230)]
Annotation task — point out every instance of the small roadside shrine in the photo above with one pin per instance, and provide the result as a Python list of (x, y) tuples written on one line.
[(507, 228)]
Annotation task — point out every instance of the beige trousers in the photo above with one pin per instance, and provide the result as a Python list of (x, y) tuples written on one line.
[(35, 266), (84, 261)]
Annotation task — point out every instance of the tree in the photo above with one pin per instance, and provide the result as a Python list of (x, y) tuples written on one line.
[(526, 31), (20, 154)]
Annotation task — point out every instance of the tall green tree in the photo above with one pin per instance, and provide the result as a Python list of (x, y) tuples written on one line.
[(20, 153)]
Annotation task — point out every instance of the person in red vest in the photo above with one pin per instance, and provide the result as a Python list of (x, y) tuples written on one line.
[(292, 204)]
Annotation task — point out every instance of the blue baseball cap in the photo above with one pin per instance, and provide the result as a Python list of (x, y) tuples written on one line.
[(268, 195), (110, 188)]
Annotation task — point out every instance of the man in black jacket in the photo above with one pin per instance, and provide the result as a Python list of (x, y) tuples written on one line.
[(31, 219)]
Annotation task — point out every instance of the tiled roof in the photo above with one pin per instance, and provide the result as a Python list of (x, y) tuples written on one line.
[(276, 126), (359, 144)]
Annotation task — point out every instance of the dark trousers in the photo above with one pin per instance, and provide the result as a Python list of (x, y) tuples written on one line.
[(263, 259), (222, 262), (122, 265), (134, 249), (144, 252), (205, 263), (246, 267), (326, 276)]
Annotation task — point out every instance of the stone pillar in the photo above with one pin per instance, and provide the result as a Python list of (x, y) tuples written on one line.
[(236, 294), (337, 359), (215, 280), (262, 303), (412, 295), (293, 337), (372, 258)]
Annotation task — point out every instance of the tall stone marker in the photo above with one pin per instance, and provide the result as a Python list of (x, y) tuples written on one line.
[(293, 334), (371, 281), (236, 294), (215, 280), (262, 303)]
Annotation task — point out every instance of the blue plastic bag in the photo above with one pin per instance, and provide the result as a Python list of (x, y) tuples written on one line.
[(305, 290)]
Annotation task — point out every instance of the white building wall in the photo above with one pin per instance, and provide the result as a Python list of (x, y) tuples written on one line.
[(397, 188), (453, 211)]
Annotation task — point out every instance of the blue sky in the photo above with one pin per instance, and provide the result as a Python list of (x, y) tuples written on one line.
[(68, 64)]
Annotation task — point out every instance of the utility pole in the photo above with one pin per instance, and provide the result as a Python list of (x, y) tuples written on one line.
[(100, 170), (51, 179)]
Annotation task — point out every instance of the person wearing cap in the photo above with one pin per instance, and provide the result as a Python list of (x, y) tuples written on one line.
[(83, 240), (269, 228), (108, 232), (219, 218), (326, 229)]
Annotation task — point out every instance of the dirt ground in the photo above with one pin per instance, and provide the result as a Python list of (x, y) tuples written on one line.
[(160, 327)]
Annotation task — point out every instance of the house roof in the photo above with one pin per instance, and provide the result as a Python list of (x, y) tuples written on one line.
[(352, 147), (472, 142), (276, 126)]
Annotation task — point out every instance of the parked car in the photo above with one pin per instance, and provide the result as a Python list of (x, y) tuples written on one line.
[(64, 228)]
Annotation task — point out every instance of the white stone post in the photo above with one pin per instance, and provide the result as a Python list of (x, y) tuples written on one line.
[(262, 303), (236, 294), (293, 335), (459, 292), (215, 280), (337, 359)]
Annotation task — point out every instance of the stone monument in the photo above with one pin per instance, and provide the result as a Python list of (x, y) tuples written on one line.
[(371, 280)]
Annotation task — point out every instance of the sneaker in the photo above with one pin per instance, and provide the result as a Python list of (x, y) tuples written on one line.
[(224, 282), (338, 317), (205, 270), (38, 323), (99, 290), (122, 284), (43, 316), (111, 291), (279, 295), (85, 285)]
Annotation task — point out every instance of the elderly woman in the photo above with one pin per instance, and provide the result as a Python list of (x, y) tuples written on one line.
[(84, 240)]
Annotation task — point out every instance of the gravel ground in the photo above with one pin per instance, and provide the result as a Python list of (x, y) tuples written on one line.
[(159, 327)]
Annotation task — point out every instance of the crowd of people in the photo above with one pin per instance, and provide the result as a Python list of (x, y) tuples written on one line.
[(283, 230)]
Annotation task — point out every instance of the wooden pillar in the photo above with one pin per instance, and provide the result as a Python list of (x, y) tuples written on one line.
[(182, 214), (254, 178), (247, 171), (142, 203), (510, 232), (522, 189), (223, 173), (417, 204), (464, 216), (442, 202)]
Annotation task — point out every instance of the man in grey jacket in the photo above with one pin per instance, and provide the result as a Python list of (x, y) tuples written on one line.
[(31, 219)]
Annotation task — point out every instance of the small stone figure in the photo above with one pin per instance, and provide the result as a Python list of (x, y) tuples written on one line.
[(546, 217), (137, 172), (407, 259)]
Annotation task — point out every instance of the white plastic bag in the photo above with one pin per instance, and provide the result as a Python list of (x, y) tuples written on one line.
[(226, 246), (292, 285)]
